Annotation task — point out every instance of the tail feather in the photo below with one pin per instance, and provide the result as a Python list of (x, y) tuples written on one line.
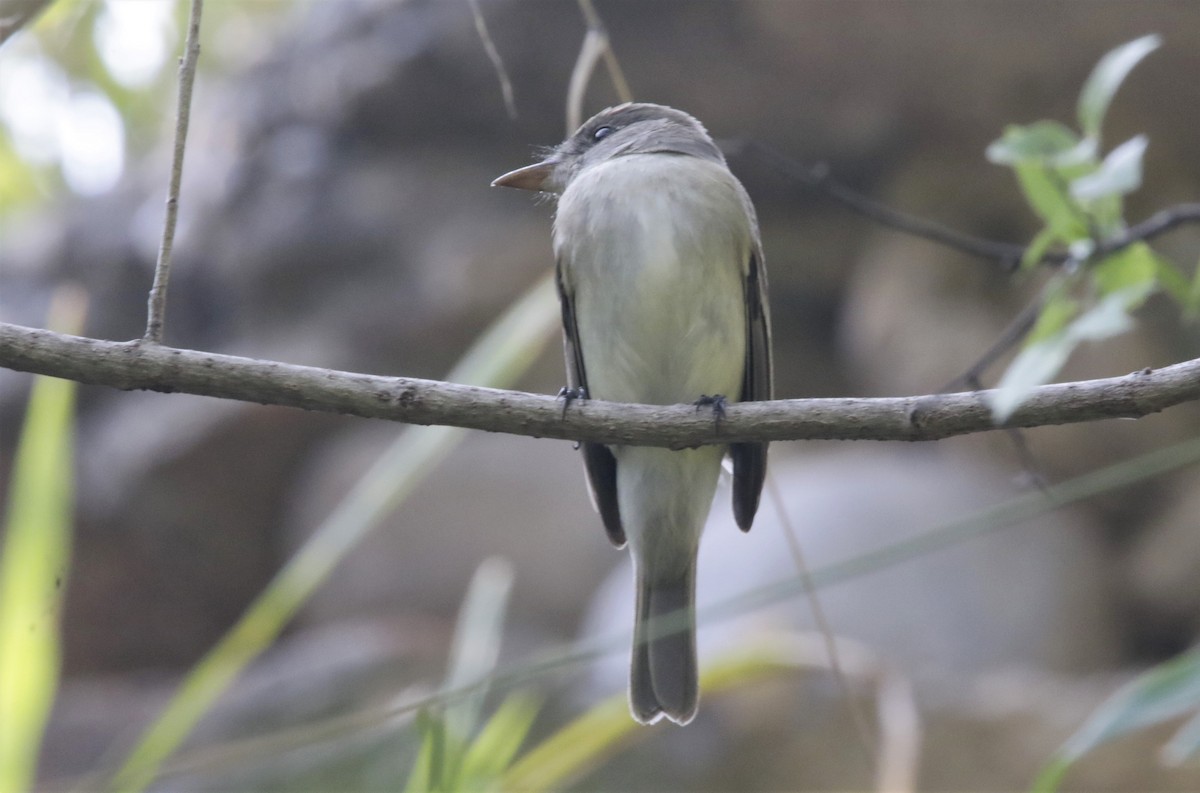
[(663, 678)]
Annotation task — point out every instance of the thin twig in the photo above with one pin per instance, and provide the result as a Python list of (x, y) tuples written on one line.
[(818, 177), (595, 46), (130, 365), (1157, 224), (585, 65), (1012, 335), (972, 378), (1008, 255), (615, 74), (489, 46), (157, 304), (866, 739)]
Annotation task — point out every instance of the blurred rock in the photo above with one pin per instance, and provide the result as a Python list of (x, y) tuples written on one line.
[(1036, 594), (518, 498)]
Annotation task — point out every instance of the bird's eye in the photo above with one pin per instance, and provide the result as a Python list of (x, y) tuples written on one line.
[(602, 133)]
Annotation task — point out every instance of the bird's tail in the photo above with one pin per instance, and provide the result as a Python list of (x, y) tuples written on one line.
[(663, 679)]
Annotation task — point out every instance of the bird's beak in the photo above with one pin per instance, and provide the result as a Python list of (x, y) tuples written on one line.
[(532, 177)]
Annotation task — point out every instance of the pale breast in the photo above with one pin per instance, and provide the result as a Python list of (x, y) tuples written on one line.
[(654, 248)]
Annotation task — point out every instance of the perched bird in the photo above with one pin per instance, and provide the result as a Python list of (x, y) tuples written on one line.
[(664, 301)]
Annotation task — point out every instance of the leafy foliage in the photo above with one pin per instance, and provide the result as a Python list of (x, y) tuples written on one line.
[(1079, 196), (454, 755), (1165, 692), (117, 54)]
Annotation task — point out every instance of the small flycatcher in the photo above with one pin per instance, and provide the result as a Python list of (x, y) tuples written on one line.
[(664, 301)]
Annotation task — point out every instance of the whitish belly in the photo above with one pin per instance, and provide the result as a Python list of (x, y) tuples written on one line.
[(655, 257)]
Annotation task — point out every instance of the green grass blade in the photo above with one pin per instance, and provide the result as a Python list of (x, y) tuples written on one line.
[(37, 545), (1164, 692), (498, 358), (946, 535), (607, 728), (477, 636), (497, 744)]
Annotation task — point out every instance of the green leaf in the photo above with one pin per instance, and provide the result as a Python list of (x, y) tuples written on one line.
[(1047, 156), (1119, 174), (429, 772), (1035, 365), (1193, 302), (1043, 187), (33, 567), (1058, 310), (1106, 78), (1041, 360), (1171, 278), (1164, 692), (1135, 267), (476, 646), (493, 751), (1037, 248), (1043, 142)]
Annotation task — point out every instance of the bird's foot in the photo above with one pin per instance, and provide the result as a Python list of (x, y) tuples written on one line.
[(716, 402), (569, 395)]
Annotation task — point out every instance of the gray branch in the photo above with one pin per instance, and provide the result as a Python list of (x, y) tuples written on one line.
[(137, 366), (156, 308)]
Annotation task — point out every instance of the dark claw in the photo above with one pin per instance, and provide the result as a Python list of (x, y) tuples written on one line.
[(569, 395), (716, 402)]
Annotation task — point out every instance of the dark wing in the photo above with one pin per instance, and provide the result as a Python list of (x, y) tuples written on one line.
[(598, 461), (750, 459)]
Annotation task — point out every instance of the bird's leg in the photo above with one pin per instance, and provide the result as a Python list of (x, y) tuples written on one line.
[(717, 402), (569, 395)]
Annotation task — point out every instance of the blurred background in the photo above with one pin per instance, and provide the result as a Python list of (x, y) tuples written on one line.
[(336, 212)]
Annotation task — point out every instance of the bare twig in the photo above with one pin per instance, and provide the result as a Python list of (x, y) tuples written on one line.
[(595, 23), (595, 46), (1017, 329), (16, 14), (581, 75), (157, 303), (1157, 224), (972, 378), (857, 716), (818, 177), (1008, 255), (130, 365), (489, 46)]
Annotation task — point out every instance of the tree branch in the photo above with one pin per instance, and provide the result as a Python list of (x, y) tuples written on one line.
[(156, 310), (1008, 255), (131, 365)]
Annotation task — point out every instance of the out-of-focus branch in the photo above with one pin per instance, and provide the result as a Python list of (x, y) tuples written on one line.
[(1008, 255), (16, 14), (489, 47), (595, 46), (131, 365), (157, 303)]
